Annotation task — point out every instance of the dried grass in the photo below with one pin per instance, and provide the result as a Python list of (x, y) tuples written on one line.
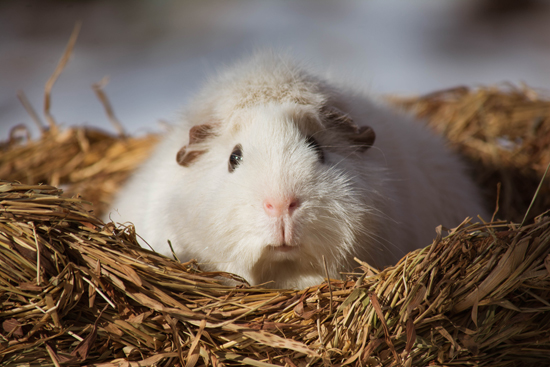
[(81, 160), (74, 291)]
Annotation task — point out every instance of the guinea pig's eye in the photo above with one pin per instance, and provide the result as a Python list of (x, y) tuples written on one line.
[(313, 144), (235, 158)]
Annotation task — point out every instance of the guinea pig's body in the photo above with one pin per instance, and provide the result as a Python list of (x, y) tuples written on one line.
[(272, 169)]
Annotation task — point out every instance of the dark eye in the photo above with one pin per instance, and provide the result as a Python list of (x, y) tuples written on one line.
[(235, 158), (313, 144)]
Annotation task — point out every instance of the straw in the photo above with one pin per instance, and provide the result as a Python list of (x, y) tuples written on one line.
[(477, 296)]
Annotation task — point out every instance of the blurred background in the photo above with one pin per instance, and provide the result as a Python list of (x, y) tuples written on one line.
[(157, 53)]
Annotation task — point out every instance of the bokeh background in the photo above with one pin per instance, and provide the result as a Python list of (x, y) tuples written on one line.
[(158, 52)]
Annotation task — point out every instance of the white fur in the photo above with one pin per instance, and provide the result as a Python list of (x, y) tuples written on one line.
[(376, 205)]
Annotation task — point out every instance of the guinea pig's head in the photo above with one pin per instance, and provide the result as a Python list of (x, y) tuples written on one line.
[(272, 190)]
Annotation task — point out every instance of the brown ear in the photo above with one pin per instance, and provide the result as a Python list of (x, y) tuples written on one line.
[(363, 137), (197, 134), (186, 157)]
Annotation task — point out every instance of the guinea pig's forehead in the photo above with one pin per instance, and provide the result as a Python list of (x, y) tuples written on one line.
[(273, 118)]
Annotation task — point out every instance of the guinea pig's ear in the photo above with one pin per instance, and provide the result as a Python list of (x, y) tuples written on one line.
[(361, 136), (197, 134), (364, 137), (185, 157)]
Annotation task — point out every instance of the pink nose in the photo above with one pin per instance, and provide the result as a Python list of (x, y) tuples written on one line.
[(278, 207)]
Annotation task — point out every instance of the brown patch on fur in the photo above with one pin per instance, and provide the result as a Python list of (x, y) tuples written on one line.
[(341, 120), (262, 94), (363, 136), (200, 133)]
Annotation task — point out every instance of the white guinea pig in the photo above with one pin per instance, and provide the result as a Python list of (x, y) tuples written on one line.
[(272, 168)]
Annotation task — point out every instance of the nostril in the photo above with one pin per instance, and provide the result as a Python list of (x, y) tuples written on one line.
[(271, 208), (293, 205)]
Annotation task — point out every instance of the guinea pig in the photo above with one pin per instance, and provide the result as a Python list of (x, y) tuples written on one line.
[(273, 171)]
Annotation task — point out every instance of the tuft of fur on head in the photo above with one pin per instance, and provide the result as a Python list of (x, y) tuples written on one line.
[(265, 77)]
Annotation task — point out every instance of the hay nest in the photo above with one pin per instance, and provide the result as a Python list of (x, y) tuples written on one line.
[(74, 291)]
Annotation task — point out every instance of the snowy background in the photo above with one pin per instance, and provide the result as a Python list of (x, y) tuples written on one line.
[(158, 53)]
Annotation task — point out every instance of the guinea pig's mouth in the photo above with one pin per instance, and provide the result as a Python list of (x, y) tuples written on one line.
[(284, 247)]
